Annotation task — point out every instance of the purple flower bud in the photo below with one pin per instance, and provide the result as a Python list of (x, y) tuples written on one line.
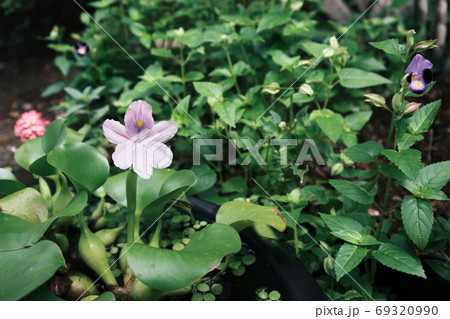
[(81, 48), (419, 74)]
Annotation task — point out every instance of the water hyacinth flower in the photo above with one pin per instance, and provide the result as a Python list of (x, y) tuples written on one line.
[(419, 74), (140, 141), (30, 125), (81, 48)]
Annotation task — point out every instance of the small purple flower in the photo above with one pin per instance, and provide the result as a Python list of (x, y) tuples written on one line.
[(81, 48), (419, 74), (140, 142)]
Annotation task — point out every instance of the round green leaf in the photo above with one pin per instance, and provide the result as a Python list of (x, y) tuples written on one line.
[(26, 269), (82, 163), (153, 193), (27, 204), (31, 157), (240, 215), (17, 233), (165, 269), (9, 183)]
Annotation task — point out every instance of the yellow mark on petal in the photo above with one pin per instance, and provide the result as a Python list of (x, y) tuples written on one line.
[(413, 78), (139, 123), (417, 83)]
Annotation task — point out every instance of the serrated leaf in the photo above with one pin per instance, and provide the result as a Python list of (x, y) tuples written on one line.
[(355, 78), (396, 258), (423, 118), (354, 237), (208, 89), (352, 191), (408, 161), (226, 111), (417, 216), (364, 153), (390, 46), (348, 257), (407, 140), (435, 175), (340, 223)]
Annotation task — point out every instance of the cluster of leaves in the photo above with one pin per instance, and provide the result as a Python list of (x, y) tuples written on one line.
[(229, 74)]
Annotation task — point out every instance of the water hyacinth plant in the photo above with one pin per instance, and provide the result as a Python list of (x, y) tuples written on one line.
[(128, 208)]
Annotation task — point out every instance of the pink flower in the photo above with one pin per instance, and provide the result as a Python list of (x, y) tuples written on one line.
[(30, 125), (140, 141)]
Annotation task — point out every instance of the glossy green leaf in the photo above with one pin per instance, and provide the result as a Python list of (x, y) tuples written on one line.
[(408, 161), (32, 157), (26, 269), (166, 269), (9, 183), (396, 258), (206, 178), (352, 191), (27, 204), (390, 46), (417, 216), (348, 257), (82, 163), (364, 153), (42, 293), (423, 118), (54, 136), (240, 215), (17, 233), (153, 193), (354, 78)]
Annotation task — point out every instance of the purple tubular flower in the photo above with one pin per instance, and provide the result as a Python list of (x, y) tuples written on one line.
[(81, 48), (140, 141), (419, 74)]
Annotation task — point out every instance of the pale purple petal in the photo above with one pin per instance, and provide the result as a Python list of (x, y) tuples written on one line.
[(163, 131), (418, 64), (138, 117), (159, 155), (123, 155), (115, 132), (141, 163)]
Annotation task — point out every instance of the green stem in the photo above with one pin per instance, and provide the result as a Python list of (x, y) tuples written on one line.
[(131, 188), (154, 242), (182, 63), (230, 65)]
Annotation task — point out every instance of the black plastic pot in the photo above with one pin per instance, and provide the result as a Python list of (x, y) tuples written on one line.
[(278, 267)]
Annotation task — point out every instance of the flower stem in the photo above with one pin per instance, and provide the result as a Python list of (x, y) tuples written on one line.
[(131, 188)]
